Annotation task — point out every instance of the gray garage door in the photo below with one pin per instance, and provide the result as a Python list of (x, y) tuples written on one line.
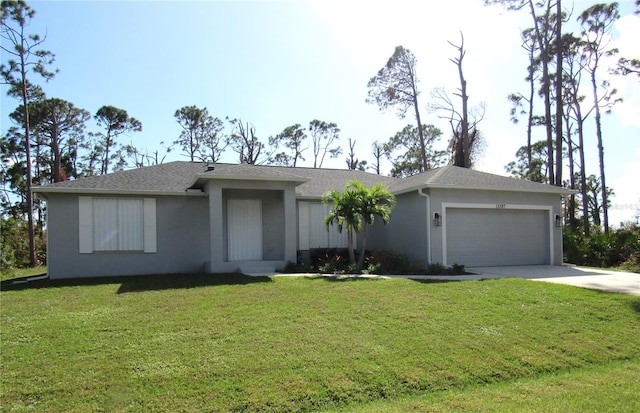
[(493, 237)]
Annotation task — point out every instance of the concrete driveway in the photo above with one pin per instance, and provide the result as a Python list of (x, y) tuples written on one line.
[(622, 282)]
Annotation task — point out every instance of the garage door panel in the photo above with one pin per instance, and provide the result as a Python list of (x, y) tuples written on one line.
[(491, 237)]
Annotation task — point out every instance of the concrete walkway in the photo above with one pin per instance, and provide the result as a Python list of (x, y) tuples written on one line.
[(599, 279), (614, 281)]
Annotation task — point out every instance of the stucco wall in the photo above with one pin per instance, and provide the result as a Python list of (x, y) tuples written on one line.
[(182, 224), (406, 231)]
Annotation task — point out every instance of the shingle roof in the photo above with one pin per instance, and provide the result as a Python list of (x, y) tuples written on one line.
[(456, 177), (321, 181), (251, 172), (172, 177), (177, 177)]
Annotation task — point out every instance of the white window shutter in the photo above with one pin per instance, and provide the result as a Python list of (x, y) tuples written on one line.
[(303, 226), (85, 225), (318, 235), (105, 224), (130, 224), (150, 241)]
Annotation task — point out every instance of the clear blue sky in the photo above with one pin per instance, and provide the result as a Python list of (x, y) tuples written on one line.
[(275, 64)]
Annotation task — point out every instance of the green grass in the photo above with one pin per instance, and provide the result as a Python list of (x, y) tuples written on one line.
[(22, 272), (597, 388), (235, 343)]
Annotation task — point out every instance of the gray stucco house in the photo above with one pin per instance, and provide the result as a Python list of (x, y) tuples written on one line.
[(184, 217)]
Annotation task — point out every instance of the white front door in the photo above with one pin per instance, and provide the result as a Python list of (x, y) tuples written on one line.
[(244, 229)]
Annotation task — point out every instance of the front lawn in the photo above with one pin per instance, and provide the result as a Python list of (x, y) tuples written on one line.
[(10, 273), (235, 343)]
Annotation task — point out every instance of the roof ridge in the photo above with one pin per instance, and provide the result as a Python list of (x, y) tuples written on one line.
[(437, 174)]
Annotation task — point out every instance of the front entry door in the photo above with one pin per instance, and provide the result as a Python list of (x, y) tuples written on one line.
[(244, 229)]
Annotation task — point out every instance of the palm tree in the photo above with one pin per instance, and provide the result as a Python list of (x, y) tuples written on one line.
[(345, 214), (355, 209), (375, 201)]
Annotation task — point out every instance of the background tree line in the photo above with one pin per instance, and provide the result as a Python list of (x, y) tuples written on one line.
[(568, 85)]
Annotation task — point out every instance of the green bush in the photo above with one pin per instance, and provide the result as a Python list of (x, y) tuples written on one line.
[(391, 262), (458, 269), (618, 248), (633, 263), (14, 244), (296, 267), (436, 268), (383, 262)]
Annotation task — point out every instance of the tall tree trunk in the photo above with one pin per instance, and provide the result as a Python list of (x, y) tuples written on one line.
[(57, 162), (352, 255), (603, 189), (362, 248), (559, 105), (423, 149), (572, 180), (105, 160), (466, 147), (532, 92), (27, 146), (543, 45), (583, 174)]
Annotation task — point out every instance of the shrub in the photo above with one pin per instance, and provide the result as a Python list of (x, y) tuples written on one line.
[(383, 262), (330, 260), (618, 248), (14, 244), (633, 263), (296, 267), (436, 268), (457, 269), (390, 262)]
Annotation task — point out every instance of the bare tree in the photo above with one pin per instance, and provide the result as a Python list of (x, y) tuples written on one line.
[(354, 163), (443, 104), (245, 142), (377, 150), (145, 158), (462, 152)]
